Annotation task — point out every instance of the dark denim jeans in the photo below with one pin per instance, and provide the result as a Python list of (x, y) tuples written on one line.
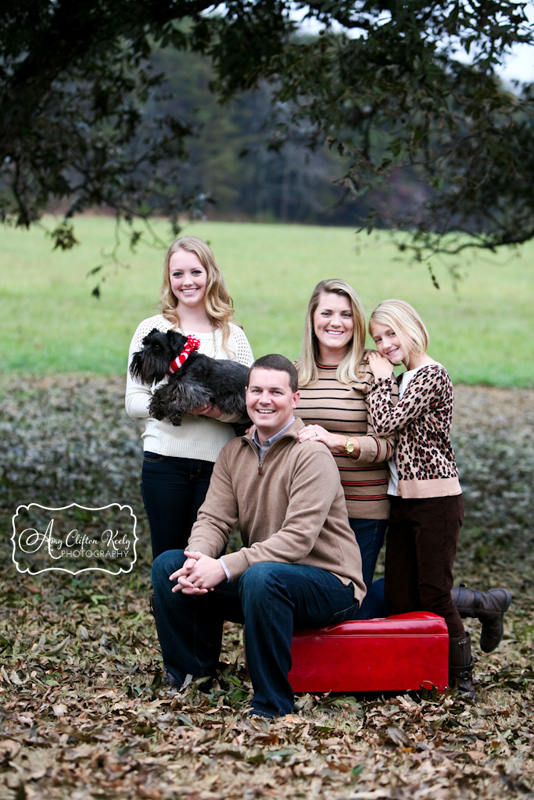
[(271, 599), (370, 537), (173, 489)]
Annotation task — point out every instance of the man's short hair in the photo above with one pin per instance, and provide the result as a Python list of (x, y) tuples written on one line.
[(280, 364)]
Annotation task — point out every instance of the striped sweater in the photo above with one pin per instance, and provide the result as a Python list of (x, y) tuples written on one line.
[(341, 408)]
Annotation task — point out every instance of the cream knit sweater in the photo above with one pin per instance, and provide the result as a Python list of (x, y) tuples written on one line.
[(197, 437)]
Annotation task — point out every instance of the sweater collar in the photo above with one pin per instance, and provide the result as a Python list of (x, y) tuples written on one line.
[(290, 431)]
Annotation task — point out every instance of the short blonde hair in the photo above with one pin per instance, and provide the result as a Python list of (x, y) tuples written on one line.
[(404, 320), (350, 368), (217, 302)]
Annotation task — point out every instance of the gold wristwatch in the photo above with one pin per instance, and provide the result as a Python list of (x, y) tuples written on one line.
[(349, 447)]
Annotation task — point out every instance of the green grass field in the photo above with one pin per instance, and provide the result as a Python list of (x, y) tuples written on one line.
[(51, 324)]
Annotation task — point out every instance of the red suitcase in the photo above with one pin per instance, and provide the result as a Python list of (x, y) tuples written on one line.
[(398, 653)]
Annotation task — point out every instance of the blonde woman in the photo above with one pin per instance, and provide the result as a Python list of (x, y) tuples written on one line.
[(178, 461), (333, 384)]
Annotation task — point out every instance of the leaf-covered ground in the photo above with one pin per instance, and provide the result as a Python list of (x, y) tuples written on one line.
[(83, 713)]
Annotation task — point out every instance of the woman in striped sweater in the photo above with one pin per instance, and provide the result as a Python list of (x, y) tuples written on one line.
[(333, 383)]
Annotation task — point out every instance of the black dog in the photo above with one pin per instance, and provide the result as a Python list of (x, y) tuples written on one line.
[(198, 381)]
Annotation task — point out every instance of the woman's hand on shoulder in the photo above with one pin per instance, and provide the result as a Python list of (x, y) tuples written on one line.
[(209, 410), (316, 433), (366, 353), (380, 367)]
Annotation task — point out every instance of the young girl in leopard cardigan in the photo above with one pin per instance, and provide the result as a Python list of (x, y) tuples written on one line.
[(424, 490)]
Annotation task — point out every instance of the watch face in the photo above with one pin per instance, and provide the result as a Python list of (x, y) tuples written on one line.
[(349, 447)]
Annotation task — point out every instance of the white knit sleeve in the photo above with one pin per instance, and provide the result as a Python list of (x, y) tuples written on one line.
[(138, 395), (239, 344)]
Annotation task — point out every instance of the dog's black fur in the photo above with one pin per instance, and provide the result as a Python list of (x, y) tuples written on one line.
[(200, 379)]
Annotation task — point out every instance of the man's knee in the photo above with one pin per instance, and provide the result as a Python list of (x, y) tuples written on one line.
[(256, 575), (257, 579), (263, 581), (165, 564)]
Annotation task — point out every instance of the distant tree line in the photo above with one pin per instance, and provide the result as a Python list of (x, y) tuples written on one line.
[(236, 167), (161, 106)]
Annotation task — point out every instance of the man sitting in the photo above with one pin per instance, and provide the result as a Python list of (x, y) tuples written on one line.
[(299, 566)]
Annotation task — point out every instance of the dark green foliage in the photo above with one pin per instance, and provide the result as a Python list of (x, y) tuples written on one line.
[(413, 120), (94, 115)]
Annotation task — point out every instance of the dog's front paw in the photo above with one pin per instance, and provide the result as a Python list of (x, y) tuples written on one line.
[(175, 417), (156, 408)]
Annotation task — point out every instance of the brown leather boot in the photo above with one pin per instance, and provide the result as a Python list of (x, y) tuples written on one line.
[(461, 666), (489, 607)]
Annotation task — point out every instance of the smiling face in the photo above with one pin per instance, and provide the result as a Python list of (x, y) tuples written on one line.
[(188, 278), (270, 401), (388, 343), (333, 325)]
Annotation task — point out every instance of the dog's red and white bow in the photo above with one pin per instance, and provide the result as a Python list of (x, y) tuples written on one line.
[(191, 344)]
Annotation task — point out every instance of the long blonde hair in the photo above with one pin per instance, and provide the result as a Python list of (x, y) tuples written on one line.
[(404, 320), (217, 302), (350, 368)]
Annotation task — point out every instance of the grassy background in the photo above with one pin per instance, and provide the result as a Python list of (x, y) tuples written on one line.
[(51, 324), (83, 710)]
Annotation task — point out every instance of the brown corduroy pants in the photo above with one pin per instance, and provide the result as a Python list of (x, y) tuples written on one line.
[(421, 543)]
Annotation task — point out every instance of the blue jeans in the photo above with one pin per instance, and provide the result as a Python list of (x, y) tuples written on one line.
[(173, 489), (271, 599), (370, 537)]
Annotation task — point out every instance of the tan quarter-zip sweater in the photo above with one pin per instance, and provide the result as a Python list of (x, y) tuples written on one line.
[(291, 509)]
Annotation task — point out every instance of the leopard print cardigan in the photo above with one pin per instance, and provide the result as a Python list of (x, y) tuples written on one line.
[(422, 419)]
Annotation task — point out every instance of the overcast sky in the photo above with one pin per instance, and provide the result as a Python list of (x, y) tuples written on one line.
[(519, 64)]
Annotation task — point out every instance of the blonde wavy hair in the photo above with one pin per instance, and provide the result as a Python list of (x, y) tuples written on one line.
[(217, 302), (404, 320), (350, 369)]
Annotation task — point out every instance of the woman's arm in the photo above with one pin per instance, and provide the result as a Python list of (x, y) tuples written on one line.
[(345, 406), (375, 447), (138, 395), (242, 347), (335, 442)]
